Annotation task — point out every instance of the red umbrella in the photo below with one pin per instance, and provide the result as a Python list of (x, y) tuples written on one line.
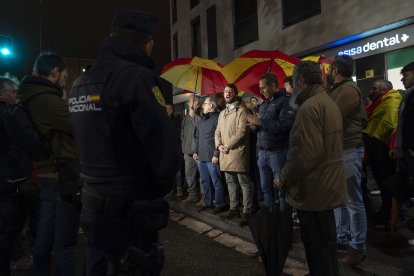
[(246, 70), (323, 61)]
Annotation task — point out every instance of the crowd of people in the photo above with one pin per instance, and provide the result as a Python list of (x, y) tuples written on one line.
[(106, 155), (308, 144)]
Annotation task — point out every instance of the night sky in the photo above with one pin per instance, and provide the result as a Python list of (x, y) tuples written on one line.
[(71, 28)]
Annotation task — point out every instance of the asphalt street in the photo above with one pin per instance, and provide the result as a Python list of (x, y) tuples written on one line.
[(190, 253)]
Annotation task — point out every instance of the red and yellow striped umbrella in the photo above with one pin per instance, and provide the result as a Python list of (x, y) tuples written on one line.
[(246, 70), (323, 61), (195, 74)]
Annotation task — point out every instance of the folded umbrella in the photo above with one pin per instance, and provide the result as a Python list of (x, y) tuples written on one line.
[(272, 234)]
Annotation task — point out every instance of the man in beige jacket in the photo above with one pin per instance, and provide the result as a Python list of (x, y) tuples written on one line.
[(232, 140)]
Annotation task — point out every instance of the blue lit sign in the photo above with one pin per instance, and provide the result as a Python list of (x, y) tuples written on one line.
[(380, 43), (375, 45)]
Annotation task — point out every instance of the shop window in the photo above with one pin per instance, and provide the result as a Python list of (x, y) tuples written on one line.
[(212, 32), (194, 3), (196, 37), (396, 60), (294, 11), (245, 22)]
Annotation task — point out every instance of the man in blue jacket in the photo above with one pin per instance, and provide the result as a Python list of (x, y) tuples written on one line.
[(208, 157), (273, 124)]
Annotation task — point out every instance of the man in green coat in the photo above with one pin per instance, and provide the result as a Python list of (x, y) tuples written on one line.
[(42, 94), (314, 176)]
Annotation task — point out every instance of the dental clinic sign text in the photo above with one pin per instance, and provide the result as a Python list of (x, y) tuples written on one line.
[(372, 46), (380, 43)]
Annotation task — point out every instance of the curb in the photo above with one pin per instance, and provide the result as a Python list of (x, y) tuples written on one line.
[(368, 267)]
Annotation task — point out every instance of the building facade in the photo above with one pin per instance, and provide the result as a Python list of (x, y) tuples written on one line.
[(378, 34)]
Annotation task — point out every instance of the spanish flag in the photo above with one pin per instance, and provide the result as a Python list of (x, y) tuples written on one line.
[(94, 98)]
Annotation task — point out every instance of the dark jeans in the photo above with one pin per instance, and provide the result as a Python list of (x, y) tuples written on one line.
[(12, 216), (318, 231), (270, 163), (210, 176), (57, 231)]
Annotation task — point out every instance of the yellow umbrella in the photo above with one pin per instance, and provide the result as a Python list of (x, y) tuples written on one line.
[(324, 62), (246, 70), (195, 74)]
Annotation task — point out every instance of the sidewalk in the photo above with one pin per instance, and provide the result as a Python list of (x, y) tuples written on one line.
[(385, 257)]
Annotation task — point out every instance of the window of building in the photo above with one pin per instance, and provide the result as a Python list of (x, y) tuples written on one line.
[(295, 11), (212, 32), (196, 37), (194, 3), (245, 25), (175, 46), (395, 61), (174, 11)]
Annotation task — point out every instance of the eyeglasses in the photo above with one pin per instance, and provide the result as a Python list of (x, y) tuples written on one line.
[(263, 88), (206, 103)]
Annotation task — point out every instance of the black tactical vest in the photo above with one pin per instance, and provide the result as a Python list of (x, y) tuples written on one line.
[(107, 144)]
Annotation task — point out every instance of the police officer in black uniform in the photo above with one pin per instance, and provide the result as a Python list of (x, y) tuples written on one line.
[(127, 149)]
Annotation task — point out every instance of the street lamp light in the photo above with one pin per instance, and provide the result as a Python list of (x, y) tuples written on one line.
[(5, 45), (5, 51)]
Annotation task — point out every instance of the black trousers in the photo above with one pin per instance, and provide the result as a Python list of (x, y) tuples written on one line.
[(318, 233), (382, 167), (110, 230), (12, 217)]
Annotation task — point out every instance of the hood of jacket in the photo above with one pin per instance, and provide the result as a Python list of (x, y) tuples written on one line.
[(34, 85), (117, 47)]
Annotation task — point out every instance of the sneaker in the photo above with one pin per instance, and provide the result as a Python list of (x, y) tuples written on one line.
[(243, 220), (219, 210), (189, 200), (231, 215), (375, 193), (353, 257)]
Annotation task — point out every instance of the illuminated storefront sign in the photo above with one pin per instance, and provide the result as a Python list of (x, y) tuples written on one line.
[(381, 43), (377, 45)]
